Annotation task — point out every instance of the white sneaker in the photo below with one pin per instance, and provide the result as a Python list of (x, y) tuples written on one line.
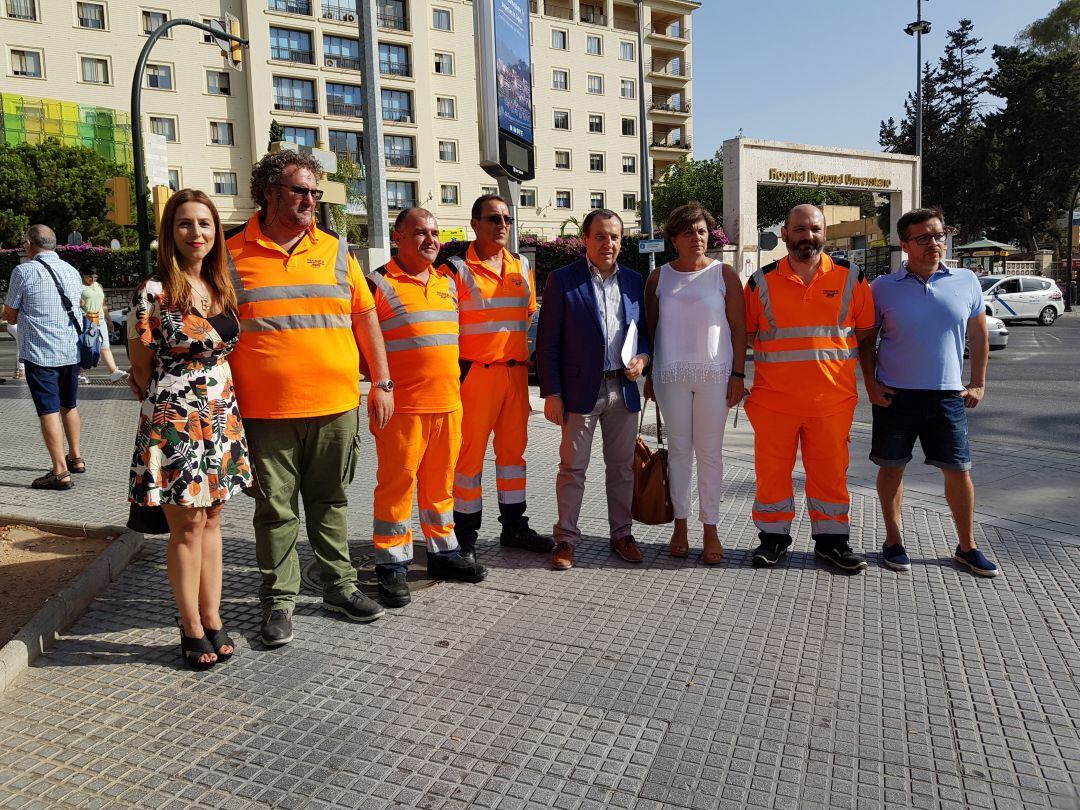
[(118, 375), (84, 380)]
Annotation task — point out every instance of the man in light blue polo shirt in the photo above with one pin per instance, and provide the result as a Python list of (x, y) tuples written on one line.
[(925, 314)]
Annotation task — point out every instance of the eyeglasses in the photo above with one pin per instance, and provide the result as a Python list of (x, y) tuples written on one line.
[(927, 238), (301, 191), (499, 219)]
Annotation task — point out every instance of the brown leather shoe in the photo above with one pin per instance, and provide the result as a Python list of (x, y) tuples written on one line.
[(627, 548), (562, 558)]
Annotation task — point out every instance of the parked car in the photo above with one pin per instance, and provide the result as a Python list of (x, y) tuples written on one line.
[(118, 326), (999, 334), (1017, 298)]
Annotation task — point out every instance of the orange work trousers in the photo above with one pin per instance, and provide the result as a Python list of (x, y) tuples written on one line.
[(417, 452), (825, 451), (495, 399)]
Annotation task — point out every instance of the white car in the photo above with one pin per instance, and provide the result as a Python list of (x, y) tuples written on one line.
[(999, 335), (1018, 298)]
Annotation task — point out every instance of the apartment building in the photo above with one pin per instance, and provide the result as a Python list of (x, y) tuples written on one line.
[(68, 68)]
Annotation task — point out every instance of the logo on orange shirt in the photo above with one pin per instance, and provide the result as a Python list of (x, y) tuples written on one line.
[(316, 263)]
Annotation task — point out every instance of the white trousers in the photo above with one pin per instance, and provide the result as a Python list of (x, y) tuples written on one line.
[(695, 415)]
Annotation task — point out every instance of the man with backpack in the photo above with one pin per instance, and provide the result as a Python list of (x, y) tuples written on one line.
[(40, 300)]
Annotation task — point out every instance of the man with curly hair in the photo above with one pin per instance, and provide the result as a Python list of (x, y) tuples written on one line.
[(306, 318)]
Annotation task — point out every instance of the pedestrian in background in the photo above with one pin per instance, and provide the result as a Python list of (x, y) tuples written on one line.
[(926, 314), (48, 349), (695, 310), (586, 378), (92, 303), (190, 453)]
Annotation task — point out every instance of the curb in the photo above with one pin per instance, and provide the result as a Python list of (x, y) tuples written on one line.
[(68, 605)]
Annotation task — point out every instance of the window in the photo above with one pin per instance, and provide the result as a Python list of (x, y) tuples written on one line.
[(448, 194), (629, 201), (562, 120), (345, 144), (560, 80), (301, 136), (527, 198), (629, 126), (394, 60), (628, 88), (26, 63), (209, 38), (225, 183), (95, 70), (627, 50), (629, 164), (562, 199), (288, 45), (448, 151), (397, 106), (221, 133), (91, 15), (294, 95), (596, 199), (1008, 287), (596, 84), (22, 9), (596, 122), (562, 158), (444, 64), (488, 190), (159, 77), (343, 99), (1035, 284), (152, 20), (593, 14), (596, 161), (164, 125), (217, 83), (445, 107), (441, 19), (391, 14), (400, 195), (594, 45), (174, 179), (560, 40), (400, 151), (342, 52)]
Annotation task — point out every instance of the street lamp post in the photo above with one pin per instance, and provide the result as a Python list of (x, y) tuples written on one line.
[(917, 29), (646, 178), (1070, 287)]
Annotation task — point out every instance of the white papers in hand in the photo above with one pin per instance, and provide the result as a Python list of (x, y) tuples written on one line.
[(629, 347)]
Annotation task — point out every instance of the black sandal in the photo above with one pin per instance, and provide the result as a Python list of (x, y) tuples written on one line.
[(220, 638), (51, 480), (193, 649), (75, 464)]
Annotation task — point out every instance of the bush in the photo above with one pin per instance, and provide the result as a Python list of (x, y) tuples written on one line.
[(116, 268)]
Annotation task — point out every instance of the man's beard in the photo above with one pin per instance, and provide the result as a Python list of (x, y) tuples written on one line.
[(807, 250)]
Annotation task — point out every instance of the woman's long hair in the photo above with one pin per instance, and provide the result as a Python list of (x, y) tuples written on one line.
[(215, 271)]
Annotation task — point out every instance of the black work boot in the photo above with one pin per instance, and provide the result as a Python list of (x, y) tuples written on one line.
[(835, 549), (393, 589), (467, 529), (453, 566), (772, 547), (517, 533)]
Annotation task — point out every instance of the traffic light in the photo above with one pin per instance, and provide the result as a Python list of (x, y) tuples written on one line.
[(236, 50), (118, 200), (161, 195)]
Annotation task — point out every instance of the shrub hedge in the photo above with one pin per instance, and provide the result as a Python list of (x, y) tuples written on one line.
[(116, 268)]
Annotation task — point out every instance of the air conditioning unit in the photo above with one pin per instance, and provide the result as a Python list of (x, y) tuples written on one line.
[(330, 62), (350, 18)]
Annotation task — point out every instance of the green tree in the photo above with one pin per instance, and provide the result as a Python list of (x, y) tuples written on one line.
[(701, 180), (351, 175), (1058, 31), (56, 185), (277, 132)]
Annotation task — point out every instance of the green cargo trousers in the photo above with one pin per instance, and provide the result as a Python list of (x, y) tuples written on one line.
[(313, 458)]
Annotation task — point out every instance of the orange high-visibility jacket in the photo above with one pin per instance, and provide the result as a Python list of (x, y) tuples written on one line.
[(805, 348)]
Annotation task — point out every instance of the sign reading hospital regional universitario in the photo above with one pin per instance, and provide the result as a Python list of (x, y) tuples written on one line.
[(809, 178), (513, 66)]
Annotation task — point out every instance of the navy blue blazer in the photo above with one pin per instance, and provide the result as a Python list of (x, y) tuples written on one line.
[(570, 340)]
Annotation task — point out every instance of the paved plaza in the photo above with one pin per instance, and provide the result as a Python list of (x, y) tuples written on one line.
[(661, 685)]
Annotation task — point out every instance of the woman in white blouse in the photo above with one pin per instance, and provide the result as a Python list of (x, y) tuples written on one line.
[(695, 309)]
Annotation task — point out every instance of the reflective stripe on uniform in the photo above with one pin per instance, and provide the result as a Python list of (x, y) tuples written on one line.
[(388, 293), (423, 316), (797, 355), (443, 544), (829, 527), (849, 290), (420, 342), (829, 508), (780, 507), (394, 554), (510, 496), (492, 327), (510, 471), (274, 323), (784, 332), (295, 291), (762, 288), (467, 481), (433, 518), (774, 526), (389, 528), (468, 507)]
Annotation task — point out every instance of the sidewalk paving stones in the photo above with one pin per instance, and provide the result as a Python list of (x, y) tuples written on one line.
[(660, 685)]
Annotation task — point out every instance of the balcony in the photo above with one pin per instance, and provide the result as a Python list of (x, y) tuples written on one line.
[(338, 106), (333, 11), (393, 22), (670, 31), (395, 68), (679, 144), (303, 105), (670, 107), (400, 159), (623, 23), (675, 69), (291, 6), (294, 55), (397, 116), (552, 9), (594, 15), (343, 62)]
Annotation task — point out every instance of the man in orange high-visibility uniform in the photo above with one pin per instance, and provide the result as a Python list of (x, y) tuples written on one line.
[(807, 317), (418, 447), (497, 297)]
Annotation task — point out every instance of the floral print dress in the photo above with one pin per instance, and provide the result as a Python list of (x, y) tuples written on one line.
[(190, 449)]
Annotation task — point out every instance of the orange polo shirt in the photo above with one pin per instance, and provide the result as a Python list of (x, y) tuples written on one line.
[(805, 349), (419, 321), (297, 355)]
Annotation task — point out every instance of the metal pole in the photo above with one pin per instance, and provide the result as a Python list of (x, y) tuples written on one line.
[(1070, 287), (374, 166), (918, 85), (646, 174), (142, 193), (511, 190)]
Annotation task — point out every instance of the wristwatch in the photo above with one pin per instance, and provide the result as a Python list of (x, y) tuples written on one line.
[(385, 385)]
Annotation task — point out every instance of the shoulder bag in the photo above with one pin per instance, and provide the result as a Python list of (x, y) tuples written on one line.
[(652, 490), (89, 340)]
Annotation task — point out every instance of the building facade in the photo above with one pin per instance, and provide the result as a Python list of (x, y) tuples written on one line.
[(73, 62)]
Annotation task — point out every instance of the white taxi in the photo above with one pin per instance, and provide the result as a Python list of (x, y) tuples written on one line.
[(1017, 298)]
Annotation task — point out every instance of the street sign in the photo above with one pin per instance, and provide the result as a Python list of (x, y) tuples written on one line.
[(157, 160), (766, 240), (651, 246), (224, 44)]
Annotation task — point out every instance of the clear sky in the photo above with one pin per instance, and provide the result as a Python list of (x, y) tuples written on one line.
[(827, 72)]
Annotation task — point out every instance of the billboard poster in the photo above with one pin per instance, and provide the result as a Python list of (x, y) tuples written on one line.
[(513, 68)]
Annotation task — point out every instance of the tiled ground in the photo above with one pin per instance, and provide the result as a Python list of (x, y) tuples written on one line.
[(665, 685)]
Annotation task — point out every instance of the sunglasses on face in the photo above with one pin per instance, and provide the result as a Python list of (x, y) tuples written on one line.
[(302, 191), (499, 219), (927, 238)]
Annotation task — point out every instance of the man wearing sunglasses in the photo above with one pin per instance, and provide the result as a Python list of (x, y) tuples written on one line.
[(497, 299), (306, 317), (925, 314)]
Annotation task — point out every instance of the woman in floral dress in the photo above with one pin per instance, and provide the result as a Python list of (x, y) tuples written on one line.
[(190, 452)]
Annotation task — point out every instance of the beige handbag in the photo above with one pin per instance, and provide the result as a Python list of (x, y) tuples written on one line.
[(652, 490)]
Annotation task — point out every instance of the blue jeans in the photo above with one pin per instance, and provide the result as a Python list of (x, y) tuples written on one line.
[(938, 419)]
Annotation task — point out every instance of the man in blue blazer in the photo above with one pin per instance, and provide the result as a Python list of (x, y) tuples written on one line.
[(590, 312)]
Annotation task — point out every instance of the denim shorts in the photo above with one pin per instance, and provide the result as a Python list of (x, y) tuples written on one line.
[(938, 419), (52, 387)]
